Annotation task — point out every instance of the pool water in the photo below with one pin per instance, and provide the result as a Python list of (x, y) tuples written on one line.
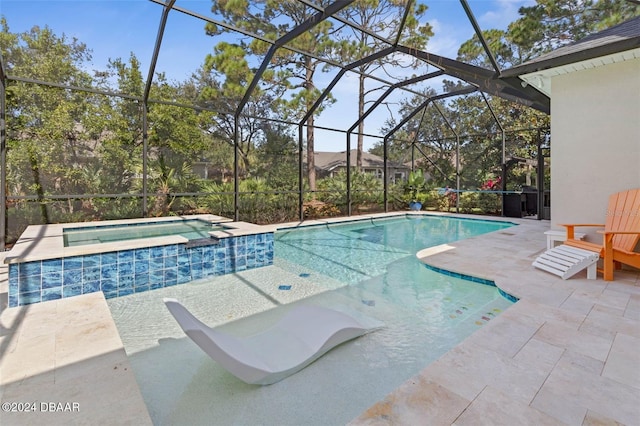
[(191, 229), (356, 251), (369, 267)]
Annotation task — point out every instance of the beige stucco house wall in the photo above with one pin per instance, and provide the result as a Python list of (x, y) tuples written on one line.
[(593, 89), (595, 139)]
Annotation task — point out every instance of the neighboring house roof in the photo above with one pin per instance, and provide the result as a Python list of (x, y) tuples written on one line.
[(331, 160), (616, 44)]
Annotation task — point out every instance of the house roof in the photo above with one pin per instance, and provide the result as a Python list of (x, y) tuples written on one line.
[(619, 38), (331, 160), (616, 44)]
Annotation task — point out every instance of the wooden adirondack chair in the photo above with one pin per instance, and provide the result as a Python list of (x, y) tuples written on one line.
[(620, 235)]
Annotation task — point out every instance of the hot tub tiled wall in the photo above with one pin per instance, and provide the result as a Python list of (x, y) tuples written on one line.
[(136, 270)]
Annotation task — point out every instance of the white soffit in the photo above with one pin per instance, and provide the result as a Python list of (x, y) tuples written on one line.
[(541, 80)]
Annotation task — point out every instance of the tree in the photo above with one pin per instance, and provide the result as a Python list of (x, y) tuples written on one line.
[(382, 17), (120, 149), (221, 83), (289, 72), (550, 24), (45, 125), (427, 133), (277, 157), (504, 50)]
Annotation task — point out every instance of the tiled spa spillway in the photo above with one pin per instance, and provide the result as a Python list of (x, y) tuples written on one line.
[(124, 272)]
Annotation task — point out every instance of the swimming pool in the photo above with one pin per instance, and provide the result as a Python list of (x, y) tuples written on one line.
[(191, 229), (42, 268), (366, 266)]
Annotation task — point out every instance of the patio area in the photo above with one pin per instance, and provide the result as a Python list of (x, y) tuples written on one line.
[(566, 353)]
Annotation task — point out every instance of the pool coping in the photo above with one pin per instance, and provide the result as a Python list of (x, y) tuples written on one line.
[(42, 242)]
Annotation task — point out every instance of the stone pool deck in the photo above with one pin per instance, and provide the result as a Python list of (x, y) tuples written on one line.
[(67, 353), (566, 353)]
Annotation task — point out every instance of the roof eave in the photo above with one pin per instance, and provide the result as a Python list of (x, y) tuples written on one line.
[(570, 58)]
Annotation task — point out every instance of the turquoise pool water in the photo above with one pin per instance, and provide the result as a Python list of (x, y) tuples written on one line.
[(362, 250), (365, 266), (191, 229)]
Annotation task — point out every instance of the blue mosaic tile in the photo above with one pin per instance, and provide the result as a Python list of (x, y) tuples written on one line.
[(171, 274), (109, 271), (30, 268), (125, 256), (171, 261), (125, 269), (208, 254), (13, 271), (183, 259), (218, 268), (196, 257), (52, 293), (125, 292), (110, 285), (478, 280), (72, 277), (90, 287), (29, 284), (220, 254), (13, 286), (51, 265), (184, 278), (250, 240), (461, 276), (141, 279), (74, 262), (508, 296), (72, 290), (197, 272), (156, 277), (141, 289), (125, 282), (141, 267), (52, 279), (29, 298), (108, 259), (208, 268), (110, 294), (90, 261), (142, 254), (156, 263), (157, 252), (91, 274), (171, 250)]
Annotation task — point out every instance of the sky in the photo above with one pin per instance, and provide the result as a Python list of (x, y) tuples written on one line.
[(115, 28)]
